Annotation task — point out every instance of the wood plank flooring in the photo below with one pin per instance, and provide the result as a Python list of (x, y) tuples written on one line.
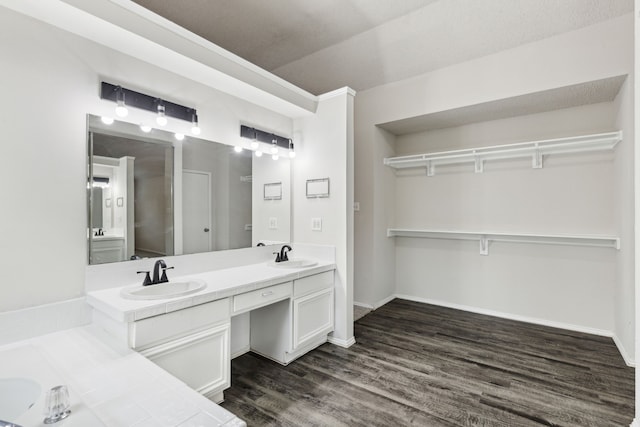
[(423, 365)]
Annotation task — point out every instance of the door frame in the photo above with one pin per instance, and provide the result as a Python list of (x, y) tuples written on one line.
[(209, 210)]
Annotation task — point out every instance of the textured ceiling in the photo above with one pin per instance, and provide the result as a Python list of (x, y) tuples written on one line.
[(322, 45)]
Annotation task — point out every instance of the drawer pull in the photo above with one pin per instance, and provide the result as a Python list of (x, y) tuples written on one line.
[(266, 294)]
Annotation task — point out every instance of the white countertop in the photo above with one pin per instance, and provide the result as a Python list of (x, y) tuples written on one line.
[(220, 284), (107, 388)]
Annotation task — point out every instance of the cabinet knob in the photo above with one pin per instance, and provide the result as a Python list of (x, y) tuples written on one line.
[(206, 229)]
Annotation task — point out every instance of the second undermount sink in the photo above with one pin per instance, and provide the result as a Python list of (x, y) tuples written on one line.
[(293, 263), (17, 395), (162, 290)]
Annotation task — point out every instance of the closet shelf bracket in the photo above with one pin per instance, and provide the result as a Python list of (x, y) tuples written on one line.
[(536, 150)]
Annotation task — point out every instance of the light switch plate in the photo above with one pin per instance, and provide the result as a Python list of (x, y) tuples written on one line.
[(316, 224), (273, 223)]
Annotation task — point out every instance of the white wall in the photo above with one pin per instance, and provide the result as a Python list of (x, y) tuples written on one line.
[(267, 171), (324, 147), (53, 81), (572, 194), (623, 207)]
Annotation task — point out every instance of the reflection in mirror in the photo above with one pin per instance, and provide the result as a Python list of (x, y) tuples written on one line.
[(152, 195)]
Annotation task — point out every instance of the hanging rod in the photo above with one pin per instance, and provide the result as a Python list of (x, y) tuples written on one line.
[(534, 149), (485, 238)]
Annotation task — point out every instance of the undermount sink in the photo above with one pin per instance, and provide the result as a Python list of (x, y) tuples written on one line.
[(293, 263), (17, 395), (162, 290)]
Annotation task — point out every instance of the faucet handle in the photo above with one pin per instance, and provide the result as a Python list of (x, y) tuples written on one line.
[(147, 279), (277, 254), (164, 278)]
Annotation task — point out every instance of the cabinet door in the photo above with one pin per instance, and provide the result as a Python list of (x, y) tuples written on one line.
[(200, 360), (312, 317)]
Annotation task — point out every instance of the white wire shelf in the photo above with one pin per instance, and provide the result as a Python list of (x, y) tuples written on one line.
[(484, 238), (534, 149)]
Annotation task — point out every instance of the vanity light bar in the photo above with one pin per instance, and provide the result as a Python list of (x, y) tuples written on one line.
[(263, 136), (142, 101)]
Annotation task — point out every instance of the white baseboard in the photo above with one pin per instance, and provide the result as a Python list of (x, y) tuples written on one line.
[(623, 352), (362, 304), (342, 343), (635, 423), (244, 350), (375, 305), (534, 320), (384, 301)]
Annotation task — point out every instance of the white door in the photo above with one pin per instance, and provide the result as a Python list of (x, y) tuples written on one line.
[(196, 211)]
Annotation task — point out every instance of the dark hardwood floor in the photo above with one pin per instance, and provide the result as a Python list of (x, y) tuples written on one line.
[(423, 365)]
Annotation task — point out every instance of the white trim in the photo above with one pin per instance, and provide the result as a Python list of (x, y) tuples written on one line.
[(384, 301), (510, 316), (635, 423), (342, 343), (244, 350), (362, 304), (342, 91), (533, 320), (623, 352)]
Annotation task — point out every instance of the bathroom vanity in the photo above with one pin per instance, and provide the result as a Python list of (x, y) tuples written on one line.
[(291, 312)]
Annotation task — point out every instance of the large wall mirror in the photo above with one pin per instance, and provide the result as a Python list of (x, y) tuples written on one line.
[(150, 195)]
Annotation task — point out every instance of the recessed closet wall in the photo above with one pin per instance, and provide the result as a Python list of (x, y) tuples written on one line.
[(571, 194)]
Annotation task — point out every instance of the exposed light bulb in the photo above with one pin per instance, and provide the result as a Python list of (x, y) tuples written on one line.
[(107, 120), (292, 153), (274, 150), (274, 146), (275, 157), (195, 129), (237, 149), (258, 153), (145, 128), (121, 109), (254, 142), (179, 136), (161, 119)]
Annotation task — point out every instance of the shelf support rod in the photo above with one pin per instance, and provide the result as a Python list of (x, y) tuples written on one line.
[(430, 169), (537, 158), (479, 164), (484, 245)]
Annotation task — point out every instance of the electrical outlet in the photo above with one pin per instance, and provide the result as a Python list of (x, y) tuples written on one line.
[(356, 206), (273, 223), (316, 224)]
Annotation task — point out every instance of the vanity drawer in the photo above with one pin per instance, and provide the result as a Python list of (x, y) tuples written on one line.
[(314, 283), (159, 329), (261, 297)]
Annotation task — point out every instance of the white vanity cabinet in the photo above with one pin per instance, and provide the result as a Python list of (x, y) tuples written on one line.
[(109, 249), (192, 344), (288, 329), (191, 340)]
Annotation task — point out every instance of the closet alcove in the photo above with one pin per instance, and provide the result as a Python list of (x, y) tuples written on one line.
[(543, 184)]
